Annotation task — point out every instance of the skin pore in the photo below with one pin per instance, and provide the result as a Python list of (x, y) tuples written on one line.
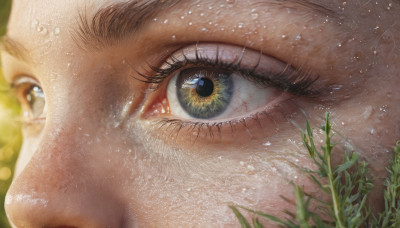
[(112, 146)]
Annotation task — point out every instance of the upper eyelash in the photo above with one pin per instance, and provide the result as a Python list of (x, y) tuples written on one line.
[(297, 81)]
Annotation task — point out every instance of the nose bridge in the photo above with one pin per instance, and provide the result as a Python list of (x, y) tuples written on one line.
[(56, 189)]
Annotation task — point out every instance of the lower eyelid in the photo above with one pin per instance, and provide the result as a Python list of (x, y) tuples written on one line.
[(259, 125)]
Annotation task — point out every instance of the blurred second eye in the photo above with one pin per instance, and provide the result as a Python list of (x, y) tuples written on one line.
[(32, 98)]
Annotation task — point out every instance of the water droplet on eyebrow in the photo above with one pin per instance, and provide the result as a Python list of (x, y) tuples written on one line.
[(250, 167), (155, 19), (339, 45), (254, 15)]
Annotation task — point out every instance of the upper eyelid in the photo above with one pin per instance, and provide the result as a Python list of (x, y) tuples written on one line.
[(253, 65), (19, 80)]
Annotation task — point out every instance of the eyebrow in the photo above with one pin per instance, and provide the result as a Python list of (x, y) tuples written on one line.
[(119, 20), (14, 48)]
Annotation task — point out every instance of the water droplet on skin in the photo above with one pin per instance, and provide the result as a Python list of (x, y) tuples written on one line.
[(210, 7), (240, 26), (241, 163), (202, 15), (284, 36), (250, 167), (173, 37), (165, 21), (254, 16), (375, 52), (267, 144), (339, 45), (230, 1), (182, 17), (57, 31), (298, 37), (190, 23), (295, 177), (204, 29), (372, 131), (189, 189), (220, 157), (155, 19), (189, 12)]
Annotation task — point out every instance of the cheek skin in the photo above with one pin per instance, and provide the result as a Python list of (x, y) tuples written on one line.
[(90, 164)]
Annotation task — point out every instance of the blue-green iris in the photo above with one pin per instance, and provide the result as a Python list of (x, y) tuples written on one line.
[(204, 93)]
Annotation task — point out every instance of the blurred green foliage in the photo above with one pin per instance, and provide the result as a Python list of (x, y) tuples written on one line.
[(10, 128)]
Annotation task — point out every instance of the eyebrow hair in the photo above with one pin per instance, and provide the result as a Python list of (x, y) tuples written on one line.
[(116, 21), (14, 48)]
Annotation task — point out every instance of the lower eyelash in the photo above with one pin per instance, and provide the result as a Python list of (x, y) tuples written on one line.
[(213, 130)]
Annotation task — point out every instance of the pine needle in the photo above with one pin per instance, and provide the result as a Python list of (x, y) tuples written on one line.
[(348, 185)]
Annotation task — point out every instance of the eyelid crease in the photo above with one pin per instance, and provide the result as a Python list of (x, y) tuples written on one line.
[(296, 81)]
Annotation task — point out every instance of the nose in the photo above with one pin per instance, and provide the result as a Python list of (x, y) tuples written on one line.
[(57, 189)]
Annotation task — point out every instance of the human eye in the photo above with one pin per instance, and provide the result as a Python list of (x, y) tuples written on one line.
[(214, 89), (31, 96)]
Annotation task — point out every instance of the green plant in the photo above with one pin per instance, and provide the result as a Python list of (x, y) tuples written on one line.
[(347, 186)]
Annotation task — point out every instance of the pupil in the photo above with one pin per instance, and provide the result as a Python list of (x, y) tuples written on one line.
[(205, 87)]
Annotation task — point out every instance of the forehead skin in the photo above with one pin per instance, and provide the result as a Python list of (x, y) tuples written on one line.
[(94, 164)]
